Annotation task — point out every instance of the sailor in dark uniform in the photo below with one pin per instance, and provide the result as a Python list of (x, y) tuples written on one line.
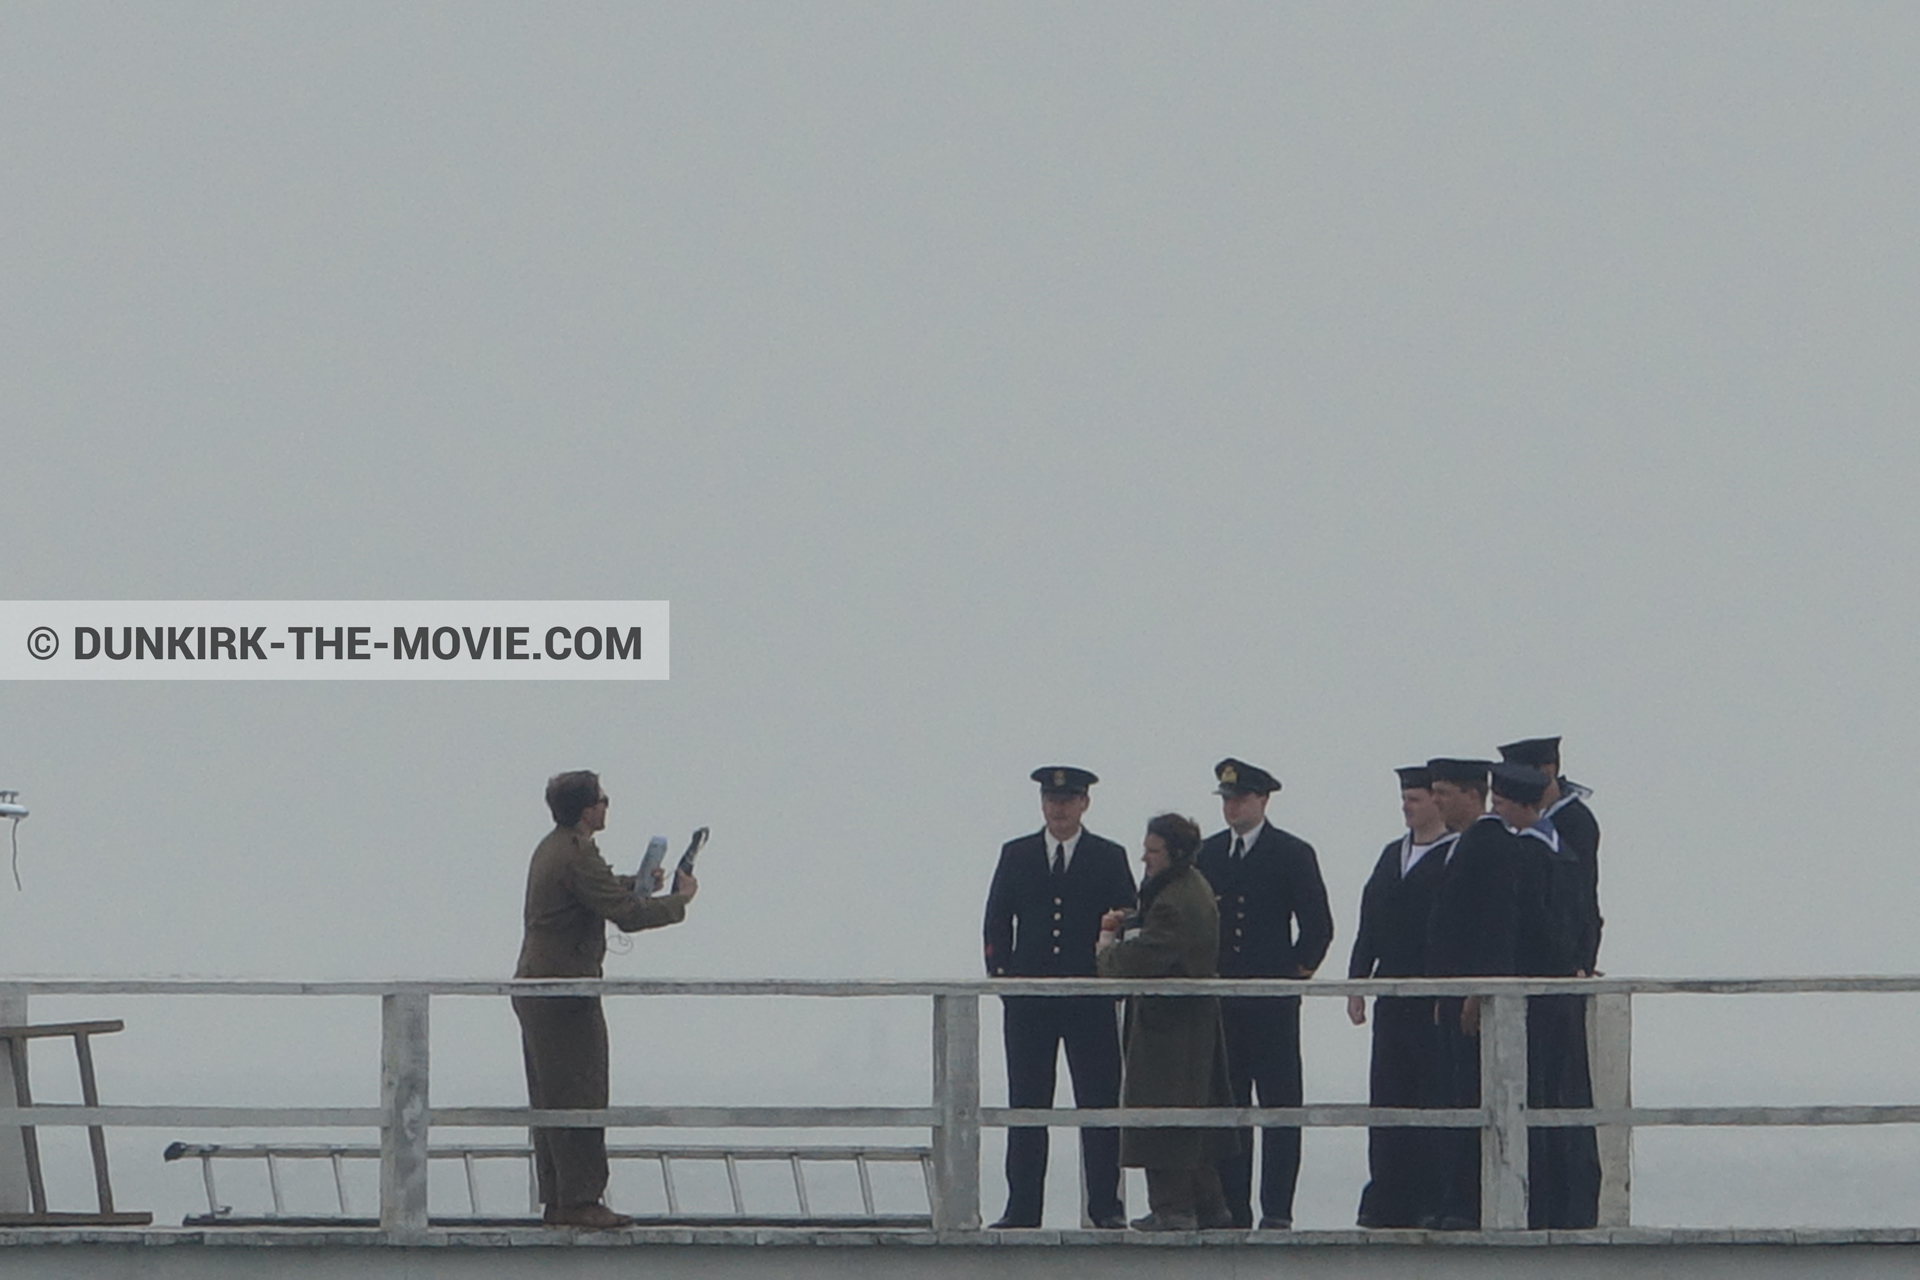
[(1565, 805), (1274, 923), (1392, 943), (1043, 919), (1554, 908), (1470, 933)]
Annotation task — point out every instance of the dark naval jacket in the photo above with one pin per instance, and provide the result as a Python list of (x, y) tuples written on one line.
[(1580, 836), (1392, 940), (1472, 929), (1555, 907), (1037, 929), (1261, 898)]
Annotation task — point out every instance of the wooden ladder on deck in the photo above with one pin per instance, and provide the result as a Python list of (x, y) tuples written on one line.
[(16, 1039)]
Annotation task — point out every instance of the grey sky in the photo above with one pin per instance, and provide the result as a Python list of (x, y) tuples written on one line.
[(985, 386)]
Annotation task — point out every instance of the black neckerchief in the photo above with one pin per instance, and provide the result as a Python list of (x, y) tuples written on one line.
[(1160, 880)]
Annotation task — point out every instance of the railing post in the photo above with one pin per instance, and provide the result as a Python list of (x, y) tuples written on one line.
[(14, 1194), (956, 1096), (1503, 1092), (1610, 1058), (403, 1107)]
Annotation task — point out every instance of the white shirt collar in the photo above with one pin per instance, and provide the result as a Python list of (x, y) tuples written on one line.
[(1052, 844), (1251, 838)]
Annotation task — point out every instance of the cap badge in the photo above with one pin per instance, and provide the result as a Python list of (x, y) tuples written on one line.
[(1059, 777), (1229, 775)]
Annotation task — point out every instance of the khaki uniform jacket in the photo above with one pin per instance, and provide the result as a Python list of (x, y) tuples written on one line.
[(571, 892), (1176, 1047)]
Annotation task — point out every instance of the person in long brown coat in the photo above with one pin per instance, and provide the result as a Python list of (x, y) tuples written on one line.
[(1175, 1045), (571, 893)]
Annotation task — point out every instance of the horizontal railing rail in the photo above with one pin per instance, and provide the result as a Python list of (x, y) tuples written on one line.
[(906, 988), (956, 1117)]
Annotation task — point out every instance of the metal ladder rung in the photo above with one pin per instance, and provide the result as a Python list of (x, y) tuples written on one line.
[(340, 1182), (206, 1176), (800, 1187), (666, 1177), (733, 1185)]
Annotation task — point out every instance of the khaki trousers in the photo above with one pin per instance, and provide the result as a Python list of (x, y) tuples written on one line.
[(563, 1041)]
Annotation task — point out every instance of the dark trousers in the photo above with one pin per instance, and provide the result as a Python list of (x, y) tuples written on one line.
[(1035, 1027), (1263, 1049), (1563, 1164), (1457, 1151), (1402, 1187), (563, 1042)]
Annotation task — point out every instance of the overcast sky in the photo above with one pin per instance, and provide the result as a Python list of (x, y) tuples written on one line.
[(985, 386)]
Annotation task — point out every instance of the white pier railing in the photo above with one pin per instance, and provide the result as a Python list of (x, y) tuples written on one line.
[(406, 1119)]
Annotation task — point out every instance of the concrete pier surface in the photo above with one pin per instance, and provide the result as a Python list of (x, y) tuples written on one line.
[(707, 1253)]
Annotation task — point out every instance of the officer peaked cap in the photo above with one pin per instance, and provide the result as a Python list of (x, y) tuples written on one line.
[(1238, 778), (1064, 778)]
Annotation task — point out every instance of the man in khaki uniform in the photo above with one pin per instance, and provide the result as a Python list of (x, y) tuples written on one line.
[(571, 893)]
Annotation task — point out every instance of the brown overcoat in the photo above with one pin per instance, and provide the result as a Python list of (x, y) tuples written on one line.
[(1176, 1048)]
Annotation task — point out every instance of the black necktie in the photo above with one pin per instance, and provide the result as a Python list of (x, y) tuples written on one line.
[(1059, 861), (1239, 848)]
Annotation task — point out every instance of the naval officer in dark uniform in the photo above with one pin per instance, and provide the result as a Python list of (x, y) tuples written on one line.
[(1392, 943), (1274, 923), (1043, 920)]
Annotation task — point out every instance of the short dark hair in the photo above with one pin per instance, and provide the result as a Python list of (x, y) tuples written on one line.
[(571, 794), (1180, 834)]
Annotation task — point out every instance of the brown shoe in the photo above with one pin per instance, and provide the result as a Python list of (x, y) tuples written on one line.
[(594, 1217)]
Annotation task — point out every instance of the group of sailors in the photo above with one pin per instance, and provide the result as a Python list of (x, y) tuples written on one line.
[(1496, 874)]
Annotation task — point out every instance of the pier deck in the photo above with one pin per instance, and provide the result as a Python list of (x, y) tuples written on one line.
[(701, 1252)]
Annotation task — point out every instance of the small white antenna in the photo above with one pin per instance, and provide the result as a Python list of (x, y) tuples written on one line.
[(10, 807)]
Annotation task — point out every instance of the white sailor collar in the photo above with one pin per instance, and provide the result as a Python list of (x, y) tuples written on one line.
[(1569, 792), (1543, 831)]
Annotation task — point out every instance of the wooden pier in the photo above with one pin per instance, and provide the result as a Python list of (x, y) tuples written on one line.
[(413, 1133)]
